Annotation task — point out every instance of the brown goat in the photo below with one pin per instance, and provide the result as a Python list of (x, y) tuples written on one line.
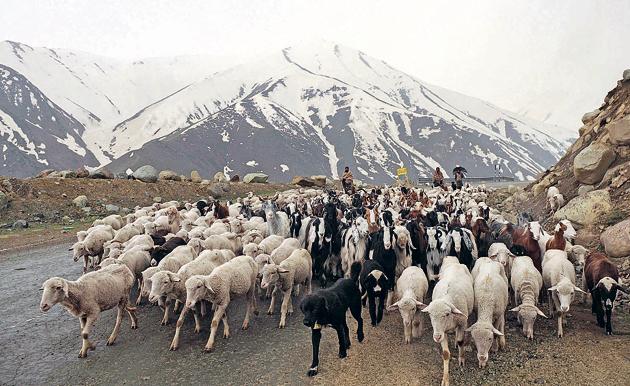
[(524, 238), (558, 241)]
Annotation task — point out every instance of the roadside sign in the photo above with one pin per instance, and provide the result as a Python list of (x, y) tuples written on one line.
[(401, 172)]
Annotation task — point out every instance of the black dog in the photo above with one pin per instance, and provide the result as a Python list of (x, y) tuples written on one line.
[(328, 307), (376, 284)]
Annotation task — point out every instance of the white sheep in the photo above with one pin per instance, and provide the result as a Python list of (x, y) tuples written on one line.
[(559, 279), (145, 288), (90, 295), (236, 277), (491, 300), (411, 288), (252, 236), (114, 220), (217, 228), (294, 270), (172, 287), (284, 250), (269, 243), (556, 202), (402, 247), (235, 242), (92, 245), (499, 252), (552, 191), (453, 301), (251, 250), (178, 257), (526, 283)]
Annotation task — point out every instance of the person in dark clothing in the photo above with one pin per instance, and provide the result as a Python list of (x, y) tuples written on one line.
[(347, 181), (438, 177)]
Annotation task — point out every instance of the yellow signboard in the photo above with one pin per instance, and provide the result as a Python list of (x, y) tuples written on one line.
[(401, 172)]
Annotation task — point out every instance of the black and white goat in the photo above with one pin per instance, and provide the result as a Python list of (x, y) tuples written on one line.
[(460, 242), (436, 237), (375, 285), (381, 251)]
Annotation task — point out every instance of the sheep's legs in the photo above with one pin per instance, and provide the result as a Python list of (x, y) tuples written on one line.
[(218, 315), (446, 356), (86, 261), (459, 338), (251, 307), (272, 305), (286, 299), (86, 324), (119, 316), (501, 327), (178, 327), (139, 298), (418, 325), (132, 315), (166, 317), (560, 317)]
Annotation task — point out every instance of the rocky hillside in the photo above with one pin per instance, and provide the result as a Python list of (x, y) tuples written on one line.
[(594, 177)]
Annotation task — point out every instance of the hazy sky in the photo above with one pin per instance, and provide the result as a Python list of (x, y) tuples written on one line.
[(541, 56)]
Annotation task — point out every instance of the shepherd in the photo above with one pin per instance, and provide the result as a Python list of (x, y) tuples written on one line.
[(459, 174), (438, 178), (347, 181)]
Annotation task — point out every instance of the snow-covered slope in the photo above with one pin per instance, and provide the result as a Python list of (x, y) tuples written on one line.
[(98, 91), (35, 133), (347, 109)]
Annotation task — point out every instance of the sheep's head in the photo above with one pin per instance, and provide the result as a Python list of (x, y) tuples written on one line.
[(55, 290), (162, 283), (78, 250), (577, 255), (251, 250), (441, 313), (565, 291), (527, 315), (407, 308), (197, 286), (261, 259), (271, 273), (483, 334)]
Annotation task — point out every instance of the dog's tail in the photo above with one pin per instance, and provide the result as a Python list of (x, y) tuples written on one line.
[(355, 271)]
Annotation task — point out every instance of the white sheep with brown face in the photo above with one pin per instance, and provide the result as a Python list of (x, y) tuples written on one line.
[(411, 289), (236, 277), (90, 295)]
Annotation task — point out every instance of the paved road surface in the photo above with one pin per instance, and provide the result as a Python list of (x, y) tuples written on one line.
[(38, 348)]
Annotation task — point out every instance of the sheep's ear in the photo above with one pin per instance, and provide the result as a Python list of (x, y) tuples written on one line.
[(472, 327), (516, 309), (419, 305), (552, 288), (497, 332), (282, 270), (539, 312), (393, 307), (578, 289)]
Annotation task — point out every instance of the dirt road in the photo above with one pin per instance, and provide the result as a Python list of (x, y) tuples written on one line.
[(37, 348)]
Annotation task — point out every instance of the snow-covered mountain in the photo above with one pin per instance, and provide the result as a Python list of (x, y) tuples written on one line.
[(100, 92), (309, 109), (343, 108)]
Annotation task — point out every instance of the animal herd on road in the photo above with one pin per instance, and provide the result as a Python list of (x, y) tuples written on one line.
[(436, 252)]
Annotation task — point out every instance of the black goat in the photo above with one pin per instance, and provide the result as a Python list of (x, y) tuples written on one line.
[(374, 284), (158, 253)]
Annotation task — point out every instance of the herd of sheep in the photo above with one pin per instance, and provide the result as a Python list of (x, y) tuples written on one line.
[(443, 253)]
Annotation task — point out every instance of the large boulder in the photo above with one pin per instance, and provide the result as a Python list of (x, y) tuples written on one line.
[(44, 173), (260, 178), (320, 181), (101, 174), (592, 163), (80, 201), (586, 118), (169, 175), (235, 178), (146, 173), (626, 74), (68, 174), (219, 177), (616, 239), (586, 210), (619, 131), (195, 176), (302, 181)]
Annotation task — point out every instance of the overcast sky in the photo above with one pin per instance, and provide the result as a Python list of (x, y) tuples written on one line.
[(541, 56)]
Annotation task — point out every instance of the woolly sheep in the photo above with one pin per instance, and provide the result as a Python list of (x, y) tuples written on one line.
[(559, 279), (499, 252), (252, 236), (269, 243), (90, 295), (178, 257), (411, 289), (236, 277), (216, 228), (114, 220), (92, 245), (294, 270), (217, 242), (251, 250), (284, 250), (235, 242), (453, 301), (491, 300), (145, 288), (526, 283)]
